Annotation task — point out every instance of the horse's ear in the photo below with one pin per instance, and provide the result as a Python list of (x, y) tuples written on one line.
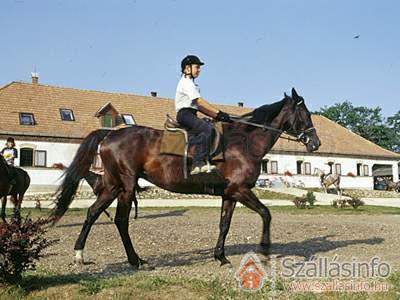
[(294, 94), (285, 95)]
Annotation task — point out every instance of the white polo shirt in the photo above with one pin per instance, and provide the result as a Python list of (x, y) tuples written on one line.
[(186, 92)]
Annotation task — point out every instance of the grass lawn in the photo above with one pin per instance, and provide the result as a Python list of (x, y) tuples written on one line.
[(145, 285)]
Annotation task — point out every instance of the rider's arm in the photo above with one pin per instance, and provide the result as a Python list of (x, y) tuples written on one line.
[(206, 108)]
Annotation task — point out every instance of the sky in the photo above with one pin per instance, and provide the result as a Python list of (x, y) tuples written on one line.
[(254, 50)]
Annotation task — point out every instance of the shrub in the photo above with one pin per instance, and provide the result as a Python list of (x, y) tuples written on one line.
[(306, 201), (310, 197), (354, 202), (21, 242)]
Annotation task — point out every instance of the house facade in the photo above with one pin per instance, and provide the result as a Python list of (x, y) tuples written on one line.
[(49, 122)]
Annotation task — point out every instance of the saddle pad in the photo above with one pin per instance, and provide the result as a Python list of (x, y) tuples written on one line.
[(174, 143)]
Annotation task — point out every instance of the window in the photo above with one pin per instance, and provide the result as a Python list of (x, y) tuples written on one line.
[(359, 170), (366, 170), (32, 158), (107, 121), (299, 164), (128, 119), (338, 169), (40, 158), (307, 168), (67, 114), (26, 119), (330, 164), (264, 166), (274, 167), (26, 157)]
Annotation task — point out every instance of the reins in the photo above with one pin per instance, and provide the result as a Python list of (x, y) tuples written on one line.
[(298, 136)]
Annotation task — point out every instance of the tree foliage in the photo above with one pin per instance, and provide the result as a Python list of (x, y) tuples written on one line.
[(367, 122)]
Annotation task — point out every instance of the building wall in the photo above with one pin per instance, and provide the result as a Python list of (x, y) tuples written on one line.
[(55, 152), (64, 153), (288, 163)]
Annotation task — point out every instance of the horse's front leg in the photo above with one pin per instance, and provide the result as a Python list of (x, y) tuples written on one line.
[(3, 208), (227, 208), (250, 200)]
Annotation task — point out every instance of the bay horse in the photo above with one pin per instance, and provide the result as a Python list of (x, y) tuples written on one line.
[(16, 191), (134, 152)]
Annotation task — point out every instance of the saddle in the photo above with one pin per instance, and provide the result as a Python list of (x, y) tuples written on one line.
[(175, 141)]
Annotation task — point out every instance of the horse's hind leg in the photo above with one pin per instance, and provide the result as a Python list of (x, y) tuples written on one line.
[(3, 208), (135, 202), (227, 208), (104, 200), (122, 222)]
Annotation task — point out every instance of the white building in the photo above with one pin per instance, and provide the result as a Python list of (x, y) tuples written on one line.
[(49, 122)]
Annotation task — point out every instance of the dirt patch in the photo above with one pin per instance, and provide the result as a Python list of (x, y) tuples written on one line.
[(181, 241)]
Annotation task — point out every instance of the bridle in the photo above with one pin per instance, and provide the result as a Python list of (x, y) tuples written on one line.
[(293, 135)]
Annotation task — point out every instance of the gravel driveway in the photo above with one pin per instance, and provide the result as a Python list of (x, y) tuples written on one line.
[(180, 241)]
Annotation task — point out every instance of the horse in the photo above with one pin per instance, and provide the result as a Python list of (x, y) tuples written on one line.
[(391, 185), (134, 152), (328, 180), (16, 191)]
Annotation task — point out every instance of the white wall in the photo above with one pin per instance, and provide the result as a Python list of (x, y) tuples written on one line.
[(348, 165), (56, 152), (64, 153)]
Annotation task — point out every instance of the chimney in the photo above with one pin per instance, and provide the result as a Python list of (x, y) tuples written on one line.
[(153, 94), (240, 104), (35, 78)]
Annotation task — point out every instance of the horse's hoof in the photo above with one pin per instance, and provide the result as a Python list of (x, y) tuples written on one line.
[(79, 257), (79, 261), (223, 260), (143, 262), (226, 264)]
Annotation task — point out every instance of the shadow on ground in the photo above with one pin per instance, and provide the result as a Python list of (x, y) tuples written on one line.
[(172, 213), (306, 249)]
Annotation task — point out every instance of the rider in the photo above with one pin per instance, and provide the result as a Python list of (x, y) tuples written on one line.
[(10, 153), (187, 102)]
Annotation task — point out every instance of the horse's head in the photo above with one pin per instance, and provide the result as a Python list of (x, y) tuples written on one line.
[(298, 122)]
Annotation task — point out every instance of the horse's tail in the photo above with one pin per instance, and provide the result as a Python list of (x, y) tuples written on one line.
[(76, 171)]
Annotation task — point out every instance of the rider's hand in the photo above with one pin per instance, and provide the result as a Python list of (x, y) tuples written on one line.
[(223, 117)]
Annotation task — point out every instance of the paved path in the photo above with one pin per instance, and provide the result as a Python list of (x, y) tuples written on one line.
[(393, 202)]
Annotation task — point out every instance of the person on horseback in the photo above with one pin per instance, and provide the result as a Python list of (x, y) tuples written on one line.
[(10, 153), (187, 102)]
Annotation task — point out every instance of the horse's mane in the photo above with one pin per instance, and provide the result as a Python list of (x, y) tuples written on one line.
[(266, 113)]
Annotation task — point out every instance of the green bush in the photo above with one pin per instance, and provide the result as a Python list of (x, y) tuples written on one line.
[(306, 201)]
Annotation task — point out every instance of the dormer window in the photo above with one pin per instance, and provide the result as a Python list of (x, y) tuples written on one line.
[(67, 114), (107, 121), (108, 116), (26, 119), (128, 119)]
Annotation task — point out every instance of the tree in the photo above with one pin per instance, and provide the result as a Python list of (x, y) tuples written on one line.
[(367, 122), (394, 124)]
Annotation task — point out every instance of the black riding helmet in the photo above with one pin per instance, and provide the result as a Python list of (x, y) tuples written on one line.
[(191, 60)]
